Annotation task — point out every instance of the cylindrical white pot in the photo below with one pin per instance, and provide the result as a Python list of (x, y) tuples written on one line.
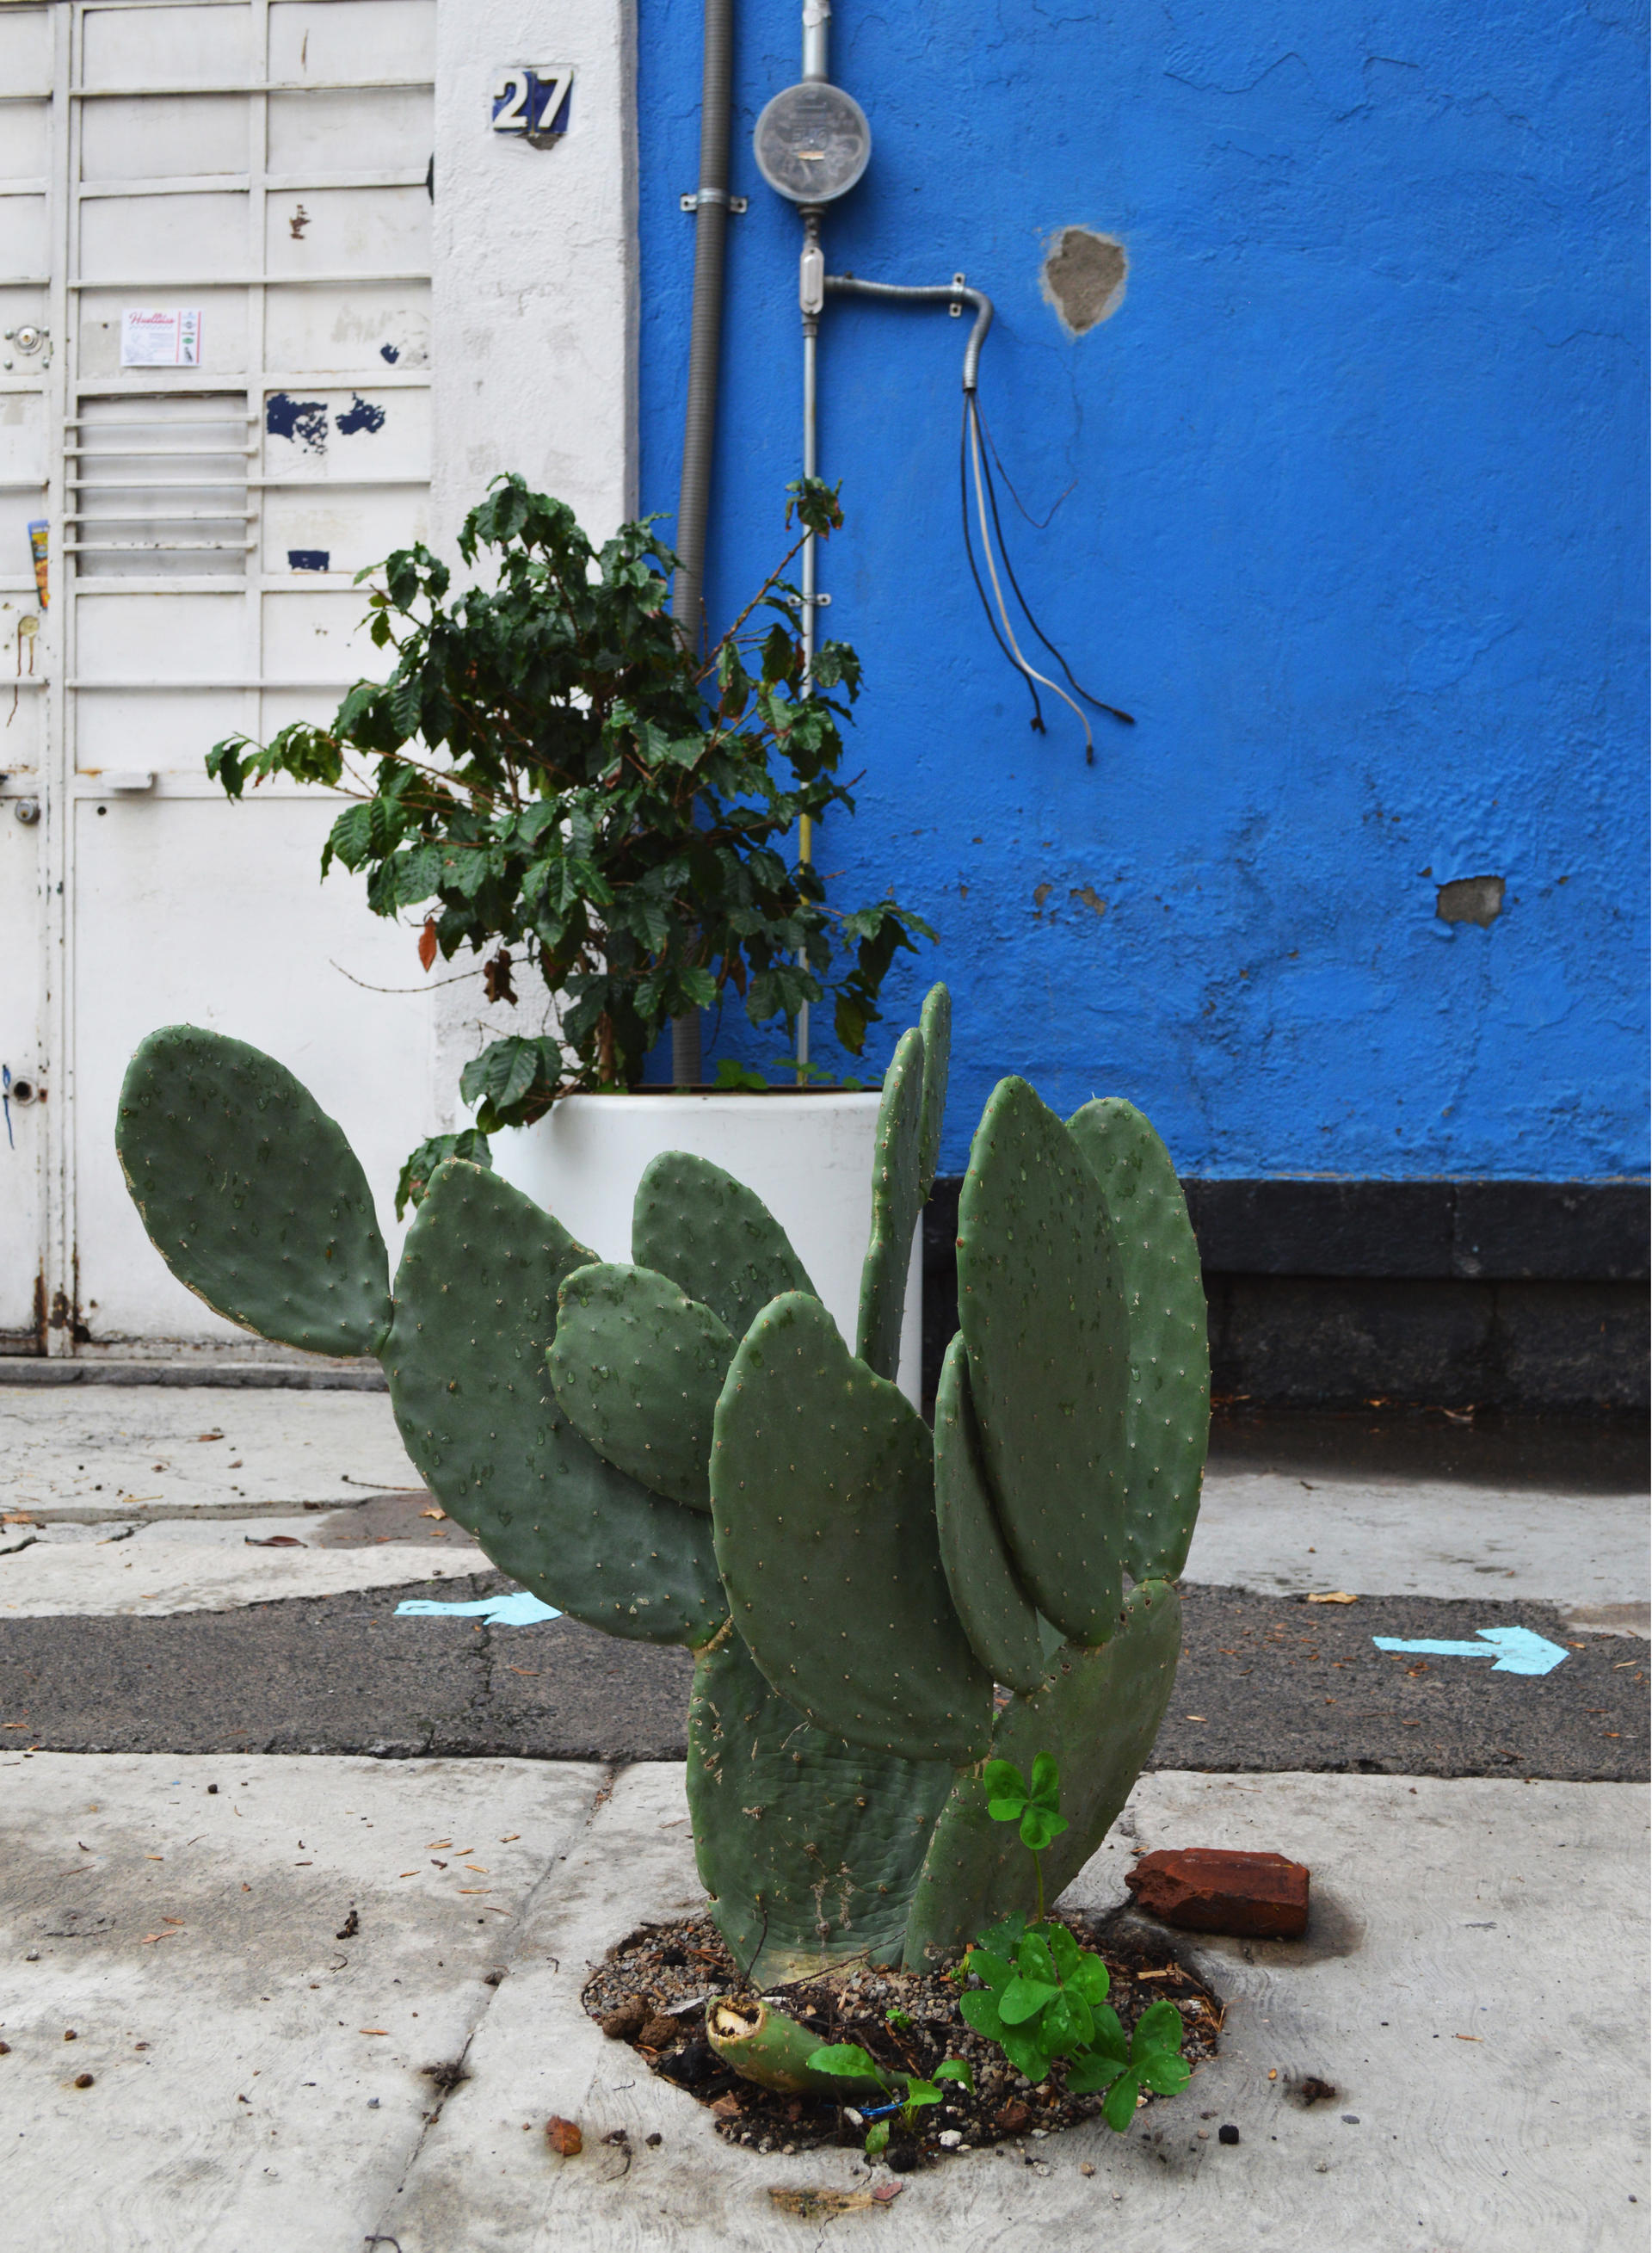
[(808, 1156)]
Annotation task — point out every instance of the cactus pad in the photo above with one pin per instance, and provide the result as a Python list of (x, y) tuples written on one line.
[(251, 1194), (935, 1024), (638, 1368), (1048, 1357), (714, 1237), (898, 1199), (1098, 1715), (1167, 1417), (476, 1311), (999, 1618), (823, 1517), (809, 1847)]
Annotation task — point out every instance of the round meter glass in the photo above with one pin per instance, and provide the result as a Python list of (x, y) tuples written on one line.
[(812, 142)]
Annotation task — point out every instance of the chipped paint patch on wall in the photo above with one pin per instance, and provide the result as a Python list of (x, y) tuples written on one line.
[(1083, 278)]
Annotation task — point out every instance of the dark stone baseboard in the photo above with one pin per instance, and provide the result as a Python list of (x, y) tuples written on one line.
[(1335, 1342), (1507, 1294)]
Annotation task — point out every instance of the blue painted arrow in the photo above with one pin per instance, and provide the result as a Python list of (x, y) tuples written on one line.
[(519, 1608), (1515, 1649)]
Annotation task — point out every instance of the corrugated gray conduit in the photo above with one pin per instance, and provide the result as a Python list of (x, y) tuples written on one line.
[(700, 421)]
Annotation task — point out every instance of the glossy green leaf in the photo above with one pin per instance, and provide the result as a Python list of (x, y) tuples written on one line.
[(846, 2061), (1026, 2052), (1067, 2023), (1093, 2071), (980, 2007), (1024, 1999), (1163, 2072), (1046, 1787), (997, 1970), (1159, 2026), (1119, 2105), (1090, 1978)]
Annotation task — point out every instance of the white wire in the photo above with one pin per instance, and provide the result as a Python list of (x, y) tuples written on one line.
[(1031, 672)]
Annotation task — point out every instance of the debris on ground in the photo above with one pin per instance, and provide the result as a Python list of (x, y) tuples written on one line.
[(563, 2137), (1213, 1889), (651, 1990), (826, 2205)]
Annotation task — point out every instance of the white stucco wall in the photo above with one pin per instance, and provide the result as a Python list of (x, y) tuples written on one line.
[(533, 325), (534, 316)]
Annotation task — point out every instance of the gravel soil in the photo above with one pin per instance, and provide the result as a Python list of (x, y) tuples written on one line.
[(652, 1989)]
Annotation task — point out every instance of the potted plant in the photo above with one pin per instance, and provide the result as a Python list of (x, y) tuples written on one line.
[(554, 779)]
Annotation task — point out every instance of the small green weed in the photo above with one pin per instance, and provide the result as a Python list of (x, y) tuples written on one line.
[(1043, 1995), (856, 2064)]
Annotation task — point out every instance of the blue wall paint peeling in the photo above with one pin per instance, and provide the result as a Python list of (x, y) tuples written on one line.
[(1355, 530)]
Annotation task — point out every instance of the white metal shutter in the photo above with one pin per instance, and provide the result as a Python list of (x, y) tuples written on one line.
[(261, 166)]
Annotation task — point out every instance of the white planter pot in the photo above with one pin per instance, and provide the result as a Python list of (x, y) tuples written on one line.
[(808, 1156)]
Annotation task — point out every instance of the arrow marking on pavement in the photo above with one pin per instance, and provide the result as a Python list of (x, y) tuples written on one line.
[(1515, 1649)]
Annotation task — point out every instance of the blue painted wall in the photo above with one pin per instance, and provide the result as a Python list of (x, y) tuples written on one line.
[(1347, 506)]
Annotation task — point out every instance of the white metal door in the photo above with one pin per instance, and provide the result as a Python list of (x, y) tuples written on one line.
[(29, 121), (241, 423)]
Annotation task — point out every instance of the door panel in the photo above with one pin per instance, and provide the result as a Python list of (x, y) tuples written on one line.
[(209, 44), (158, 872), (214, 514), (26, 638)]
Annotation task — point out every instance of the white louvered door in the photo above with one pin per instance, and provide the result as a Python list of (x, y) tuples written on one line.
[(240, 196)]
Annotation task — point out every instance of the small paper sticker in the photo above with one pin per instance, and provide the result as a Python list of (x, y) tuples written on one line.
[(156, 337)]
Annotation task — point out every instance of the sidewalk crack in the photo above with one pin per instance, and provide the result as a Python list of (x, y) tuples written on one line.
[(449, 2077)]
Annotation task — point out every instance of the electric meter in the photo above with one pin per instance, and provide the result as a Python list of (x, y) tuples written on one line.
[(812, 142)]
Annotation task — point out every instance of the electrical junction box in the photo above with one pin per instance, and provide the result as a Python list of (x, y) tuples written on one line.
[(531, 103)]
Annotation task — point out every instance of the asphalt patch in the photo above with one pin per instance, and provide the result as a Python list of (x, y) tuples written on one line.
[(1266, 1684), (1274, 1682)]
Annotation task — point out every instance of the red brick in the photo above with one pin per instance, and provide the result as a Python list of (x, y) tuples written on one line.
[(1211, 1889)]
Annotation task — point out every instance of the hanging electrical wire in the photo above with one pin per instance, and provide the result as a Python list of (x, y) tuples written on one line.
[(973, 459)]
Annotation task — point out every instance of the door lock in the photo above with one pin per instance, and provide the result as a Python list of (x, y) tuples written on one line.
[(26, 341)]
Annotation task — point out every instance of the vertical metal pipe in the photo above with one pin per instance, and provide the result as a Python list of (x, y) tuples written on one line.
[(817, 19), (700, 418), (810, 271), (705, 340)]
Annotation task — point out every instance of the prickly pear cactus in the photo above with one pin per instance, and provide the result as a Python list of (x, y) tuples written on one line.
[(685, 1450)]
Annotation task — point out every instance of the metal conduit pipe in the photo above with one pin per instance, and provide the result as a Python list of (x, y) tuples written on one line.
[(953, 293), (700, 419)]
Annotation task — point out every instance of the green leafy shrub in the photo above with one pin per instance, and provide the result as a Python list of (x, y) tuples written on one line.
[(551, 778)]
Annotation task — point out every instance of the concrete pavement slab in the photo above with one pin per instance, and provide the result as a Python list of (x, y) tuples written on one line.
[(256, 2063), (1278, 1533), (151, 1452), (215, 1566), (1471, 1983)]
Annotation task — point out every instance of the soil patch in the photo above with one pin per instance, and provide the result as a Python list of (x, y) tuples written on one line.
[(651, 1988)]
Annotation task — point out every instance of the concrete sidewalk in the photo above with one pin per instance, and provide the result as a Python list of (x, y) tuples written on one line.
[(1472, 1984), (145, 1462)]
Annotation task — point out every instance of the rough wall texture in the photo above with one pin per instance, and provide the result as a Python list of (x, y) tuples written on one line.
[(1345, 480)]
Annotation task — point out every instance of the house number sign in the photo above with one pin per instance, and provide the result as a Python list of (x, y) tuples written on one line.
[(530, 101)]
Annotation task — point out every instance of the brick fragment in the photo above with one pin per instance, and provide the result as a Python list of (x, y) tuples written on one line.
[(1212, 1889)]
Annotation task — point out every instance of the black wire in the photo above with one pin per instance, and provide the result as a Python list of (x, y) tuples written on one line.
[(1113, 710), (969, 550), (1038, 523)]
